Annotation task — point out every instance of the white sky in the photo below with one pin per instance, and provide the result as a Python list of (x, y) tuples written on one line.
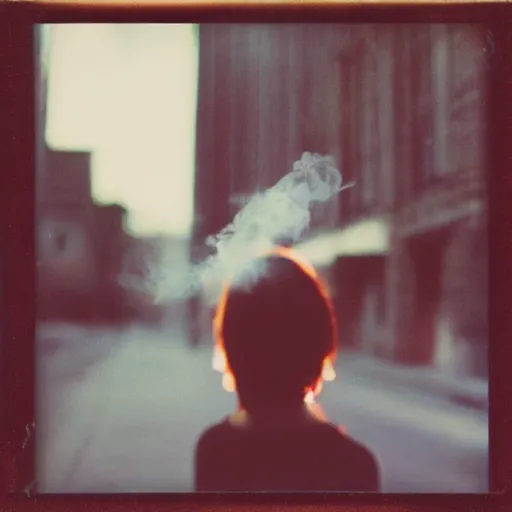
[(128, 94)]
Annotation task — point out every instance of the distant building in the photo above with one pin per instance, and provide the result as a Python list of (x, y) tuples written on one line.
[(402, 109), (66, 262), (80, 244), (64, 210), (147, 262), (110, 246)]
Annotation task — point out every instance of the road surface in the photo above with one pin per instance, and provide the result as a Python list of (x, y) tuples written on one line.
[(121, 412)]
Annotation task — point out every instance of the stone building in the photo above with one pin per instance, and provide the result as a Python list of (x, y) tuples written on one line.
[(252, 122), (65, 247), (80, 244), (402, 110), (414, 139)]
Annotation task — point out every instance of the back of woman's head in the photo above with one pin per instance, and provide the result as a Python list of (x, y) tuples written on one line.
[(277, 330)]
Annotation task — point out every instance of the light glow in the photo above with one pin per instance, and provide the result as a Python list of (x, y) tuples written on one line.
[(366, 237), (219, 359)]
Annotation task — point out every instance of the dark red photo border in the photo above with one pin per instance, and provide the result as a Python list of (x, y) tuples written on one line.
[(17, 251)]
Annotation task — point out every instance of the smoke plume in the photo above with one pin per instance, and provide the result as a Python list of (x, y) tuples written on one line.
[(281, 212)]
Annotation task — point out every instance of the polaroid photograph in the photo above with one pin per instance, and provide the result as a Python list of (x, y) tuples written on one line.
[(262, 258)]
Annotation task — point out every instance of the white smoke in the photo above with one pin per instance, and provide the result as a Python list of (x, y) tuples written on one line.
[(281, 212)]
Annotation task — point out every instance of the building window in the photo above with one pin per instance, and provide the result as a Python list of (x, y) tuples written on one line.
[(59, 239), (345, 134), (441, 104), (355, 139), (467, 91), (264, 98), (386, 123), (370, 134), (233, 71), (359, 127), (423, 107), (403, 108), (366, 134), (61, 242)]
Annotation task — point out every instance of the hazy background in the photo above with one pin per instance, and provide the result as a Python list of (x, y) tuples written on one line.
[(150, 138), (129, 97)]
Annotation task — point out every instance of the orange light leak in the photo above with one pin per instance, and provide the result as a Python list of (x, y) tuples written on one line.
[(219, 360)]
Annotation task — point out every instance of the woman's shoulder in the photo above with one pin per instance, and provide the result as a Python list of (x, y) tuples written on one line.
[(319, 440), (214, 434), (343, 447), (346, 441)]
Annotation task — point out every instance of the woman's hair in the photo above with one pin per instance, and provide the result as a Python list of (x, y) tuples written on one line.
[(277, 330)]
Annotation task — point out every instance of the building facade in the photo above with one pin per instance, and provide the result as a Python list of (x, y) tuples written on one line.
[(80, 244), (418, 153), (402, 110), (65, 245), (253, 117)]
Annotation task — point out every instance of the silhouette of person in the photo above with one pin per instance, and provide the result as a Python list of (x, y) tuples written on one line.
[(277, 331)]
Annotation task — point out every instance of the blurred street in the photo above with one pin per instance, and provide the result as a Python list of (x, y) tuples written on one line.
[(120, 411)]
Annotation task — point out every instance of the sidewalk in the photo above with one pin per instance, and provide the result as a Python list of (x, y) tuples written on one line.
[(470, 392)]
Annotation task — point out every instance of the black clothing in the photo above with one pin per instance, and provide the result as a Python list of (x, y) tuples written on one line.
[(308, 456)]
